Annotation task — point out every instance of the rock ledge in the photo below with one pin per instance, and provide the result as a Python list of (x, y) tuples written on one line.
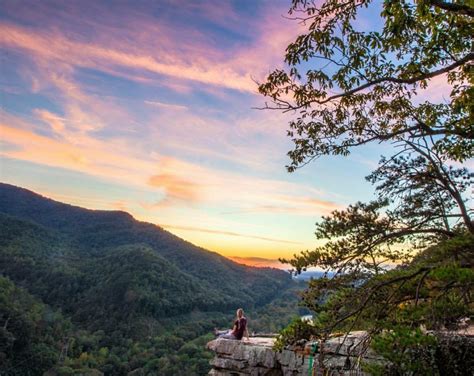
[(256, 357)]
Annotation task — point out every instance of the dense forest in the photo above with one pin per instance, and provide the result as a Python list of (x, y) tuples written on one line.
[(92, 292)]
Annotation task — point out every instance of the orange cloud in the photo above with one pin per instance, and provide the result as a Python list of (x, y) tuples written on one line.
[(119, 205), (176, 188), (85, 155), (312, 205), (182, 182), (74, 198), (293, 205), (228, 233)]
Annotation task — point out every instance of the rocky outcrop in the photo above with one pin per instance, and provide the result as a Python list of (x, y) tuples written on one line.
[(256, 357)]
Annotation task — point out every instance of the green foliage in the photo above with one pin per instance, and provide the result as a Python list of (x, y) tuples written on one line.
[(141, 300), (29, 332), (454, 355), (297, 330), (271, 318), (351, 86), (410, 352), (434, 291)]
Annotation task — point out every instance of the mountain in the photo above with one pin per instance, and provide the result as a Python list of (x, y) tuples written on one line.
[(120, 283), (94, 233)]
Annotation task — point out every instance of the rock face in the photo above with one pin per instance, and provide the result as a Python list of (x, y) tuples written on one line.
[(342, 356), (256, 357)]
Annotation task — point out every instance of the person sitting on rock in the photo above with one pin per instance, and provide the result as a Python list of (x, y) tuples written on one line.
[(238, 330)]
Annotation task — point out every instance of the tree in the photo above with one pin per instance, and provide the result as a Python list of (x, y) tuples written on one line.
[(367, 86), (364, 85)]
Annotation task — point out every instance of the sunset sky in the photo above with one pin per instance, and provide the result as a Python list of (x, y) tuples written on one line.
[(148, 107)]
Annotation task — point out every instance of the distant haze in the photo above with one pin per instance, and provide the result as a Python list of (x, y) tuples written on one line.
[(260, 262)]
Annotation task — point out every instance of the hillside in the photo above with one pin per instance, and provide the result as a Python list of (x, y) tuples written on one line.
[(129, 281), (91, 234)]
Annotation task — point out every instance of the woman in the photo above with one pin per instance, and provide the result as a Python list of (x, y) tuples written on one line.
[(238, 330)]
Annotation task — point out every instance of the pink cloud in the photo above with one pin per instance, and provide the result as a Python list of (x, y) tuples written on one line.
[(143, 47), (438, 90), (168, 106), (152, 46), (55, 122), (87, 55), (148, 51)]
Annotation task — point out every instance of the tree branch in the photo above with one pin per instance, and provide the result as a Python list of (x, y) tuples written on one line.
[(448, 184), (376, 288), (409, 81), (412, 231), (417, 294), (453, 7)]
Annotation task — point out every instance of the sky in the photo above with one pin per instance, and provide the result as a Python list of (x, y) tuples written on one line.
[(151, 107)]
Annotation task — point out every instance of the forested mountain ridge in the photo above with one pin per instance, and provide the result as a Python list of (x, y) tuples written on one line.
[(129, 287), (93, 232)]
